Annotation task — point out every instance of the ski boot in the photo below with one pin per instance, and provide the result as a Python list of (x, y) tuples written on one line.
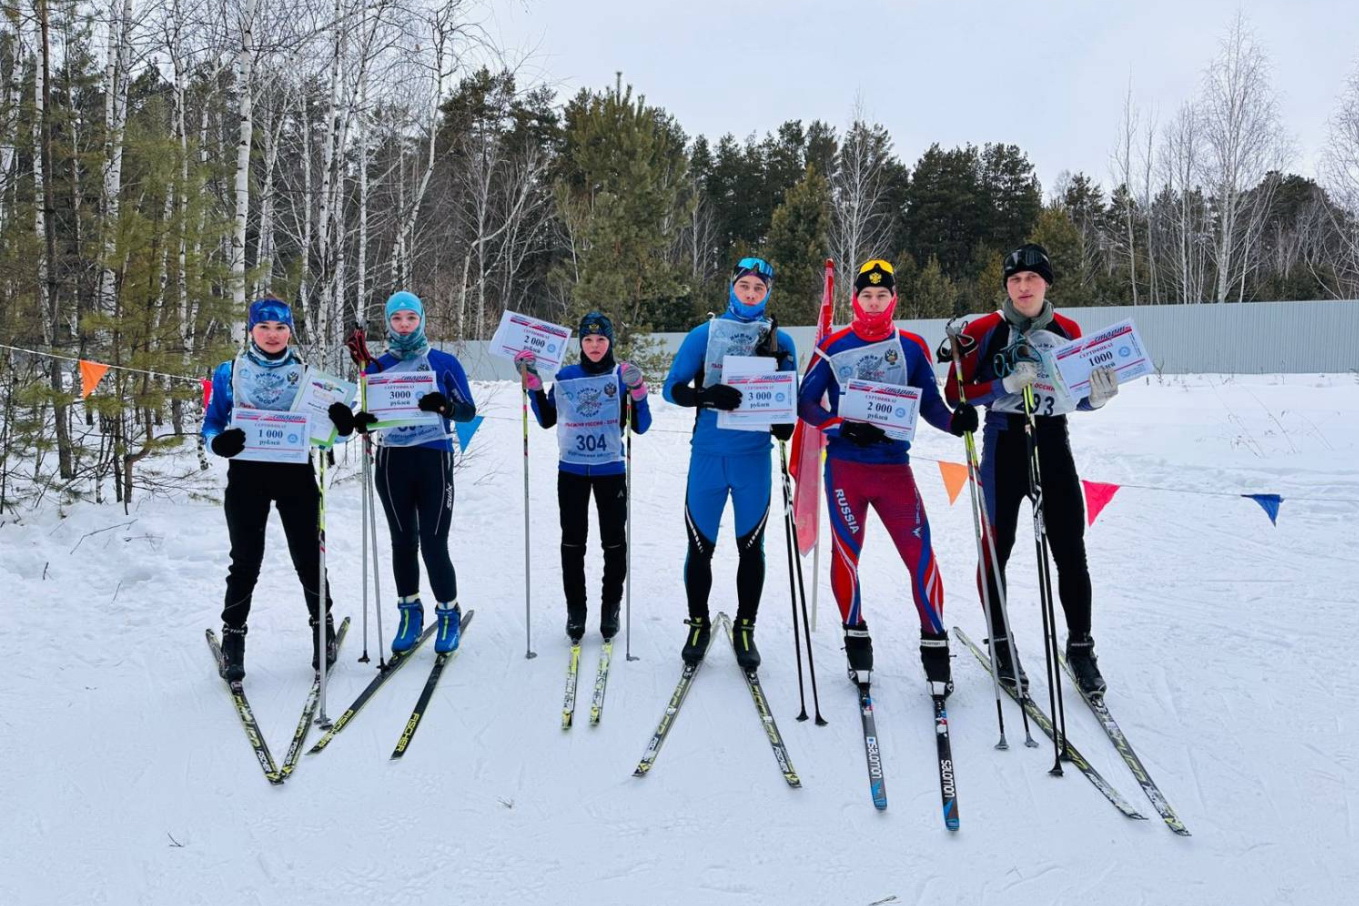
[(1080, 656), (331, 648), (747, 655), (696, 640), (412, 624), (934, 657), (608, 620), (1005, 666), (575, 623), (449, 617), (233, 654), (859, 651)]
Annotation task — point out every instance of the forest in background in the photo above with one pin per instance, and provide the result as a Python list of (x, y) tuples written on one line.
[(162, 163)]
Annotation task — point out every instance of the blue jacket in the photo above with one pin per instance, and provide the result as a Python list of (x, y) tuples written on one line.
[(686, 376), (545, 411), (452, 384), (820, 380)]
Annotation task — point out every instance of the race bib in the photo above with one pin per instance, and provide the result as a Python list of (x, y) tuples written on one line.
[(883, 363), (588, 412), (727, 337), (256, 386), (1050, 396)]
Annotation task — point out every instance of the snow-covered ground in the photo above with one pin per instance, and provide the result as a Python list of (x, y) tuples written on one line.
[(125, 777)]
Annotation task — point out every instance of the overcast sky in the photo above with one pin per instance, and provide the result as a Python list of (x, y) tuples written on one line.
[(1047, 75)]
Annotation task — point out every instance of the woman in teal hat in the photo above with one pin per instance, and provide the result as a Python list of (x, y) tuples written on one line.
[(415, 476)]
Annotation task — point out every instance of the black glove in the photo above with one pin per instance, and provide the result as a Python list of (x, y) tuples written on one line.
[(769, 344), (862, 434), (342, 417), (363, 421), (782, 432), (432, 402), (229, 442), (719, 396), (964, 420)]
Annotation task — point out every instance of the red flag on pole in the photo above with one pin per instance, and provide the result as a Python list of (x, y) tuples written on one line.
[(808, 441)]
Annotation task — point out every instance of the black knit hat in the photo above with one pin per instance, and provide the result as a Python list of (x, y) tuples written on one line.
[(1028, 257), (876, 273), (596, 322)]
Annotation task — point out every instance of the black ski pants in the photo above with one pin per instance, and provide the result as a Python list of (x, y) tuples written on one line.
[(1005, 478), (251, 487), (611, 505), (415, 485)]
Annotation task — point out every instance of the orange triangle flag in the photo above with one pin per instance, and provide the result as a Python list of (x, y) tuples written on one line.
[(955, 476), (91, 373), (1097, 497)]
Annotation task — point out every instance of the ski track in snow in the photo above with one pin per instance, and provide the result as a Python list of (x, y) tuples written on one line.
[(127, 778)]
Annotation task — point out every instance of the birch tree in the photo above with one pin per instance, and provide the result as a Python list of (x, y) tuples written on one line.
[(1242, 141)]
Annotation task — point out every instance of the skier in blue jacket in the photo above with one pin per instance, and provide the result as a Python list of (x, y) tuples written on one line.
[(726, 462), (267, 374), (591, 404), (414, 476)]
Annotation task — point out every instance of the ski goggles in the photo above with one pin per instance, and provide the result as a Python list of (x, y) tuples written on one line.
[(877, 264), (1019, 351), (756, 266)]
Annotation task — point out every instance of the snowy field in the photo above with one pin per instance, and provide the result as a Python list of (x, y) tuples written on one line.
[(1227, 642)]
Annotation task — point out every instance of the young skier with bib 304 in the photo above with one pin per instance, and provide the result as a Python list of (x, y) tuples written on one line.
[(726, 463), (865, 467), (589, 404)]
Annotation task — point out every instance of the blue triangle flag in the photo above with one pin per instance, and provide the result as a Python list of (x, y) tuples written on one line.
[(1269, 503), (465, 430)]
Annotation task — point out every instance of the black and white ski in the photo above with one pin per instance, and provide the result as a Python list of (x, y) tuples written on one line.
[(309, 710), (572, 675), (771, 729), (1038, 716), (247, 716), (601, 682), (653, 747), (394, 663), (1121, 745), (413, 723), (948, 790)]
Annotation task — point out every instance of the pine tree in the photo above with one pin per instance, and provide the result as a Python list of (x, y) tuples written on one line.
[(797, 248)]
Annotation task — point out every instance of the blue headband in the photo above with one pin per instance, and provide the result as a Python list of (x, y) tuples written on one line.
[(270, 309)]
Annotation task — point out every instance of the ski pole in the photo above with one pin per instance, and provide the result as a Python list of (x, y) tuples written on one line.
[(1040, 541), (788, 532), (981, 525), (528, 607), (627, 489), (791, 530), (367, 485), (322, 720)]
